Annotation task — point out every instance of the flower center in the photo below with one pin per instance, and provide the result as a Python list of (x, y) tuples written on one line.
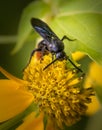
[(57, 90)]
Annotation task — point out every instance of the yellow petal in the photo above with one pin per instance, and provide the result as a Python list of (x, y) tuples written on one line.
[(32, 123), (77, 55), (94, 77), (12, 100), (93, 107), (35, 123), (96, 73)]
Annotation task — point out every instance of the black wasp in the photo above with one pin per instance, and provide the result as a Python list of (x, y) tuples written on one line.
[(50, 43)]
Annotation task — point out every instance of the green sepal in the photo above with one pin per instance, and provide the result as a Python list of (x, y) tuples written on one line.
[(45, 121)]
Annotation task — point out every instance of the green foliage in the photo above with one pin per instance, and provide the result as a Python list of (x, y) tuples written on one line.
[(80, 20), (34, 9), (95, 122)]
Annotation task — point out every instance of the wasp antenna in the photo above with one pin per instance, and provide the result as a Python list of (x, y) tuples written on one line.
[(50, 63)]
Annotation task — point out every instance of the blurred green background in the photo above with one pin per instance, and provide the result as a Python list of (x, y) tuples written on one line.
[(10, 14)]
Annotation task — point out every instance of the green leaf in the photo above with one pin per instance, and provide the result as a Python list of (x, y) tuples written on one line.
[(81, 20), (78, 19), (95, 122), (16, 121), (98, 89), (34, 9)]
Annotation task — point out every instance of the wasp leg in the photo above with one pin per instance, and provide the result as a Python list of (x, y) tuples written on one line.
[(37, 49), (40, 48), (79, 70), (65, 37), (53, 56)]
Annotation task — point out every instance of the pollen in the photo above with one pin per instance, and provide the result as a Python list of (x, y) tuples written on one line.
[(58, 90)]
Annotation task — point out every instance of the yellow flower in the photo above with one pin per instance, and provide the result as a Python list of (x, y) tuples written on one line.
[(58, 91)]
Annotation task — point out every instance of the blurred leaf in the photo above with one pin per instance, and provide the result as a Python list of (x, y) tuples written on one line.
[(81, 20), (95, 122), (99, 92), (80, 125), (34, 9)]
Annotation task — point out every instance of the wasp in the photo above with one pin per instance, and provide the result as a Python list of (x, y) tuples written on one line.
[(50, 43)]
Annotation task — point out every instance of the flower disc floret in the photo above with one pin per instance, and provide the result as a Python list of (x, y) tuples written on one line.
[(58, 90)]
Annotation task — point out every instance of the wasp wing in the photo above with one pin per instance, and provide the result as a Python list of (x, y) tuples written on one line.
[(43, 29)]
